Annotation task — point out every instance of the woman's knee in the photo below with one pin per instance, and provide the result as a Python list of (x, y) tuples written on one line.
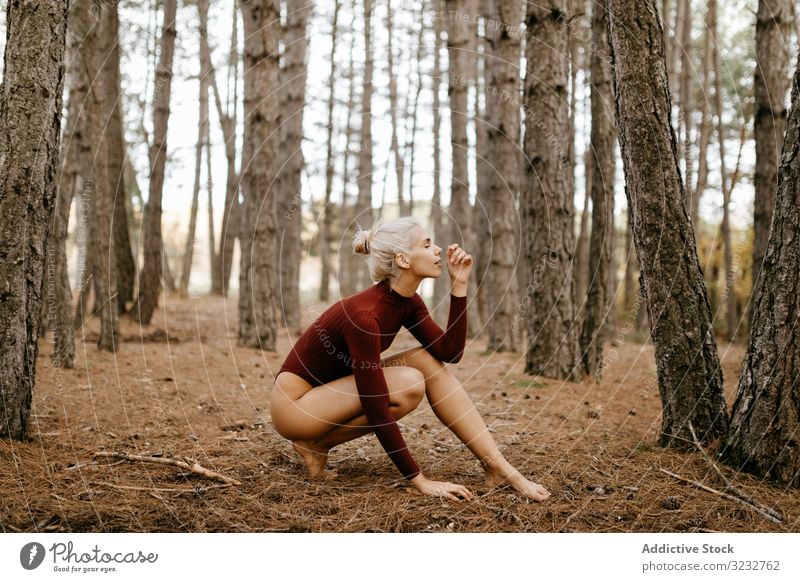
[(411, 382)]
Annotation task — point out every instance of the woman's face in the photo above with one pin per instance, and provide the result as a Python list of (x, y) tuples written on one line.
[(426, 257)]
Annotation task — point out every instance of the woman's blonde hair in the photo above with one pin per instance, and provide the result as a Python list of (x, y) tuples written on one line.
[(382, 242)]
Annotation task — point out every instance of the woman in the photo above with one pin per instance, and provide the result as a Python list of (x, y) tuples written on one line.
[(334, 387)]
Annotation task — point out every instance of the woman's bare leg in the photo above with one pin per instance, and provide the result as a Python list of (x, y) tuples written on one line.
[(452, 405), (317, 419)]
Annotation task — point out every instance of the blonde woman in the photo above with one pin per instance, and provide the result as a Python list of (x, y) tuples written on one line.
[(334, 387)]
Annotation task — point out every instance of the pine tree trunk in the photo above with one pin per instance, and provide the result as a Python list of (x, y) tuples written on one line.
[(30, 124), (126, 266), (771, 84), (393, 108), (325, 230), (705, 133), (460, 230), (503, 184), (766, 414), (689, 373), (258, 278), (202, 130), (601, 248), (293, 98), (363, 215), (582, 257), (222, 261), (348, 261), (687, 68), (547, 208), (440, 284), (152, 268)]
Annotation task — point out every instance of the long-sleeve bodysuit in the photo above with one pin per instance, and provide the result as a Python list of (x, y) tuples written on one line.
[(350, 335)]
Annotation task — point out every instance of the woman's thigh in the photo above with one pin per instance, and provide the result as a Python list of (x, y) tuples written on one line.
[(300, 412)]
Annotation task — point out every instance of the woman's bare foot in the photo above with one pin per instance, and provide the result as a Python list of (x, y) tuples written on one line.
[(315, 457), (518, 482)]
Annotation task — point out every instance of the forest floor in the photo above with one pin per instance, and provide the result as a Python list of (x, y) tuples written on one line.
[(182, 388)]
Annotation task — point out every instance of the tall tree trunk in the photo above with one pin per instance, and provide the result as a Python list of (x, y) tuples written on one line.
[(293, 99), (258, 283), (705, 133), (116, 152), (503, 184), (393, 107), (460, 229), (689, 373), (547, 208), (686, 96), (325, 231), (30, 127), (582, 257), (440, 284), (726, 185), (152, 268), (770, 85), (347, 259), (603, 139), (414, 109), (766, 414), (363, 215), (222, 262), (74, 160), (202, 129)]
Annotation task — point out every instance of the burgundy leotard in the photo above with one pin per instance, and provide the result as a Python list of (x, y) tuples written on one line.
[(350, 335)]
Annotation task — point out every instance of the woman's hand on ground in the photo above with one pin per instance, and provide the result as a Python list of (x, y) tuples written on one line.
[(442, 489)]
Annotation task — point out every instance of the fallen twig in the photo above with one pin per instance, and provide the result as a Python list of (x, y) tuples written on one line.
[(159, 489), (728, 485), (724, 495), (186, 464)]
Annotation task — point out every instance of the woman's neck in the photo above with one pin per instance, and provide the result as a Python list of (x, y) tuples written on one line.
[(406, 286)]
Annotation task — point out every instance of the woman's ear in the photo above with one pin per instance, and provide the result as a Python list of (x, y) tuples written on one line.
[(402, 261)]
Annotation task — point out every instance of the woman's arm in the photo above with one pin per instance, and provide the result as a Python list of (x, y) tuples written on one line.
[(447, 346), (363, 340)]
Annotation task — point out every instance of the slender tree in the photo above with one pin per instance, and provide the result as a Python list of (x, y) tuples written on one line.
[(202, 130), (362, 215), (30, 125), (399, 164), (771, 84), (326, 224), (601, 248), (766, 413), (547, 208), (293, 97), (689, 373), (437, 215), (154, 266), (504, 184), (258, 282)]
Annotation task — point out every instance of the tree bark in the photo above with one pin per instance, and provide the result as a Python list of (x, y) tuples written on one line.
[(504, 186), (766, 414), (440, 285), (202, 130), (153, 267), (30, 127), (601, 248), (293, 97), (689, 373), (363, 215), (399, 164), (116, 152), (686, 96), (258, 282), (460, 230), (325, 230), (548, 211), (770, 85)]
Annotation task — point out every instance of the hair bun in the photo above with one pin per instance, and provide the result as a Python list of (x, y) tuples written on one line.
[(361, 241)]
